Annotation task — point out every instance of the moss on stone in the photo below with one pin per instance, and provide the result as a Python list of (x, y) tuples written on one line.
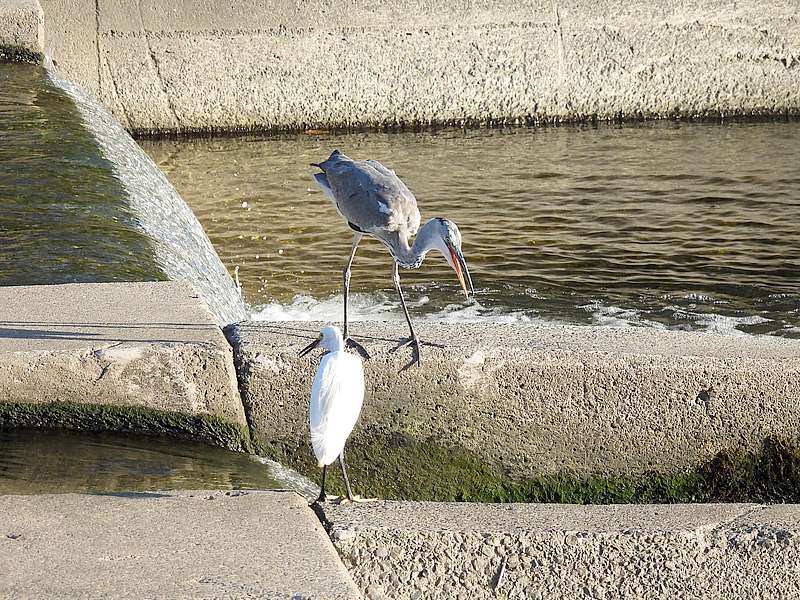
[(131, 419), (397, 467)]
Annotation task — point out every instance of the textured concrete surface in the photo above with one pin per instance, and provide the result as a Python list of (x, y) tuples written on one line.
[(532, 399), (201, 544), (445, 550), (21, 29), (151, 345), (202, 66)]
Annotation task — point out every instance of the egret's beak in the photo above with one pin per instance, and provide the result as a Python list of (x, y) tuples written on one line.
[(310, 347), (462, 272)]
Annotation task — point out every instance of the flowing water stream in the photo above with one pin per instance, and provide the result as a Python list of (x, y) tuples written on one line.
[(48, 462), (669, 225)]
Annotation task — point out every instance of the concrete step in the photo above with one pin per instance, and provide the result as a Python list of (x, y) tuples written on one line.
[(535, 551), (201, 544), (528, 400), (117, 356)]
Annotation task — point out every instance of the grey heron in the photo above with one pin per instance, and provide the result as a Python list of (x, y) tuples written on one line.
[(374, 201), (336, 399)]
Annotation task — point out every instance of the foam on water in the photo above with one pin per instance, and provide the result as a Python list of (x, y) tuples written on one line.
[(379, 306), (181, 246)]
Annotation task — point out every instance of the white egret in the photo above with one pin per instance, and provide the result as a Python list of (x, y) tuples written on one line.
[(336, 398), (374, 201)]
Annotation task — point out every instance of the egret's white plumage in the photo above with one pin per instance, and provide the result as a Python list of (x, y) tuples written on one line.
[(336, 397)]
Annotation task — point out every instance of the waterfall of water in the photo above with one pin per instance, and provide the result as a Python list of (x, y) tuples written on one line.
[(182, 248)]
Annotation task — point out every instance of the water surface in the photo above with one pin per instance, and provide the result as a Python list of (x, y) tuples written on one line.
[(679, 225), (64, 214), (41, 461)]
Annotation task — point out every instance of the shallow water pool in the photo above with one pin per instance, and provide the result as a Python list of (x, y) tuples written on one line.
[(672, 225)]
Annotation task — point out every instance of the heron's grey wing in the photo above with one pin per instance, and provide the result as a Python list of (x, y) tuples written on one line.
[(375, 201), (381, 169)]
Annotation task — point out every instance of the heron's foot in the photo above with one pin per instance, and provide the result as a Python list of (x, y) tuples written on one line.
[(416, 345), (351, 343)]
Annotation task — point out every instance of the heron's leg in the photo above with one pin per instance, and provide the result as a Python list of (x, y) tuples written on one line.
[(356, 239), (346, 275), (344, 476), (321, 497), (413, 340)]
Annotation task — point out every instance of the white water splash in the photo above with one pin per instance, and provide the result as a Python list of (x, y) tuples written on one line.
[(381, 307), (614, 316), (289, 478), (181, 246)]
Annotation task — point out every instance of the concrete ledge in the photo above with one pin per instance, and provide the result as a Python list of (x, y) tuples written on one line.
[(216, 66), (446, 550), (203, 544), (527, 400), (21, 30), (152, 346)]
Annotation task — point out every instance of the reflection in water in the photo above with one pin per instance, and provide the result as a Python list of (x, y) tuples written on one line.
[(40, 461), (667, 224)]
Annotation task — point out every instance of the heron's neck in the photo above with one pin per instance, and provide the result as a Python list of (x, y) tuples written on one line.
[(411, 257)]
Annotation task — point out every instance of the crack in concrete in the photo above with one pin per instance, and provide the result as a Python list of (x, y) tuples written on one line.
[(118, 96), (97, 43), (157, 69), (559, 43)]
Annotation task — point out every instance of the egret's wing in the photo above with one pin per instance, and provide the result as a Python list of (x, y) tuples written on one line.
[(336, 398), (371, 197)]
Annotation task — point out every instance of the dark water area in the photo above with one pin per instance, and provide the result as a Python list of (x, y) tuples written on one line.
[(40, 461), (668, 225), (64, 215)]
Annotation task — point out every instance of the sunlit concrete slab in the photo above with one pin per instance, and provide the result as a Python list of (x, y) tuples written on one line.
[(527, 400), (556, 551), (21, 30), (202, 544), (152, 346)]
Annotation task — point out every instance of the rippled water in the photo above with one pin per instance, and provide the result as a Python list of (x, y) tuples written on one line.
[(62, 219), (666, 224), (38, 461)]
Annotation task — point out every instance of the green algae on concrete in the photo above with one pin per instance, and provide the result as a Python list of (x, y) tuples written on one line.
[(132, 419), (398, 467)]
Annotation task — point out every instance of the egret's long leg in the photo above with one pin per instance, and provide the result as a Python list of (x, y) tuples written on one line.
[(321, 497), (356, 239), (344, 476), (412, 340)]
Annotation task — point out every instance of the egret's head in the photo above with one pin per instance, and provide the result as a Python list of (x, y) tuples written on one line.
[(330, 339), (447, 240)]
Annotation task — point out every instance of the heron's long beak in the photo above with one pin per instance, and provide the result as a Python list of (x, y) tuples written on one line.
[(462, 272), (310, 347)]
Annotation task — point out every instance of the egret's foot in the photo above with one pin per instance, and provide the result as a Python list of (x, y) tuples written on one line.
[(359, 500), (339, 500), (351, 343)]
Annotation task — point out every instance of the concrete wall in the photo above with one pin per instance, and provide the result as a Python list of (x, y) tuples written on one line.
[(442, 550), (209, 66), (529, 400), (21, 30)]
